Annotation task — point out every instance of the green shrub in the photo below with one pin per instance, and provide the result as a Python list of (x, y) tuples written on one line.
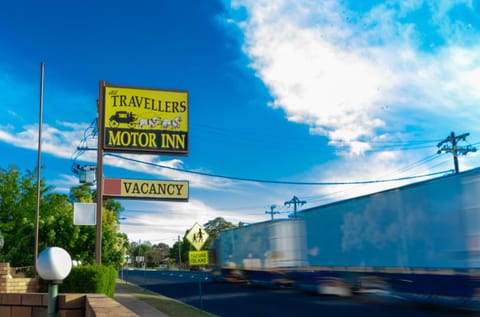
[(98, 279)]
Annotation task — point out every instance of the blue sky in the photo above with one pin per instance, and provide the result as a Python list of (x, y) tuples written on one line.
[(303, 91)]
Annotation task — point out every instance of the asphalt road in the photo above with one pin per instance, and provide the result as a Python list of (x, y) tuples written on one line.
[(233, 300)]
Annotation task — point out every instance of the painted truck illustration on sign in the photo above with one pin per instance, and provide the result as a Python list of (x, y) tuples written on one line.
[(123, 117)]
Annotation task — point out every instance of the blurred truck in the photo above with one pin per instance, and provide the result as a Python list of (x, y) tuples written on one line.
[(419, 243)]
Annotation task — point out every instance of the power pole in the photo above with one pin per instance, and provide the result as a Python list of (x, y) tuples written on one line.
[(450, 145), (296, 202), (271, 212), (179, 253)]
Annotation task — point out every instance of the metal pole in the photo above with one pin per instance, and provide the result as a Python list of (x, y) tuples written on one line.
[(179, 253), (39, 159), (100, 127), (52, 299), (200, 293), (454, 150), (295, 201)]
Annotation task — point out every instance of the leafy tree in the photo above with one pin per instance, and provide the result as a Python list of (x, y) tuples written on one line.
[(213, 227), (18, 214), (82, 194), (18, 199), (179, 251), (158, 254), (114, 243), (139, 249)]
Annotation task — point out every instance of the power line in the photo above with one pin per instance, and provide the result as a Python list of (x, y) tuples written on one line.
[(274, 181)]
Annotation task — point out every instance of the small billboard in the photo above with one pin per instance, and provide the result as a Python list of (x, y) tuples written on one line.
[(84, 214), (145, 120), (197, 258), (147, 189)]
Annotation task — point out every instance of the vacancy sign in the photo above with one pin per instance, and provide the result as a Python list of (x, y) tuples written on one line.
[(147, 189)]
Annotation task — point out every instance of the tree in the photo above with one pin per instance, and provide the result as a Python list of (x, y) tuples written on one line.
[(138, 250), (157, 255), (114, 243), (18, 216), (179, 251), (213, 227), (82, 194)]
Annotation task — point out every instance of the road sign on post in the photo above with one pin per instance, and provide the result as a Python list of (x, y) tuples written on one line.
[(197, 236)]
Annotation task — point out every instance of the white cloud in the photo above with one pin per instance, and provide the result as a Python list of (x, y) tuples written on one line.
[(61, 141), (165, 221), (335, 70), (56, 141), (153, 165), (64, 182)]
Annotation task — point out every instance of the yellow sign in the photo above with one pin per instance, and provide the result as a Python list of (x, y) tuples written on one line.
[(197, 236), (145, 120), (198, 258), (150, 189)]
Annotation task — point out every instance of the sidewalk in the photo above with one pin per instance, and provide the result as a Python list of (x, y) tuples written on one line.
[(137, 306)]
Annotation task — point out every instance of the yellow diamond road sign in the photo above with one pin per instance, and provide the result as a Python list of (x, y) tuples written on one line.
[(197, 236)]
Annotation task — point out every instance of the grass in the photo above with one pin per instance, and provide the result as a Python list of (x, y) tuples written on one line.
[(171, 307)]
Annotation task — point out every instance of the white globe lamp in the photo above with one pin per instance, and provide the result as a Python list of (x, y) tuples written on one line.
[(53, 265)]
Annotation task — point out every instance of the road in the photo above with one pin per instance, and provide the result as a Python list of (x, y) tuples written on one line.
[(233, 300)]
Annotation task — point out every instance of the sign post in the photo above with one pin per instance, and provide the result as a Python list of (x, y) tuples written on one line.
[(139, 120), (100, 126), (197, 236)]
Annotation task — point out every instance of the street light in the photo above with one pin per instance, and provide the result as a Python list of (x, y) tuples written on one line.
[(53, 265)]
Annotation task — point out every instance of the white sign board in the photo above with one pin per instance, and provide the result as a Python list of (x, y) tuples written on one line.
[(84, 214)]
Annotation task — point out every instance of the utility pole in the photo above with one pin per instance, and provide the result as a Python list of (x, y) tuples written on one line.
[(450, 145), (271, 212), (296, 202), (179, 252)]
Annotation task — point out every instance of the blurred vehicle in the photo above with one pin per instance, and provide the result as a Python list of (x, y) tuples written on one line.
[(418, 243)]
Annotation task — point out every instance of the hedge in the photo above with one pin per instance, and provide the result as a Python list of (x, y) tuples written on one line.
[(98, 279)]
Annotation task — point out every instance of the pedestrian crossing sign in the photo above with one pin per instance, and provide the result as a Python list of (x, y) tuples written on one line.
[(197, 236)]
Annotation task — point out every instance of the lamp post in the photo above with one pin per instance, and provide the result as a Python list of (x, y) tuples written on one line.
[(53, 265)]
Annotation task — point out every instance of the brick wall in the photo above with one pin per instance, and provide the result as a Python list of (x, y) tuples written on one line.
[(19, 297), (9, 283), (69, 305), (36, 305)]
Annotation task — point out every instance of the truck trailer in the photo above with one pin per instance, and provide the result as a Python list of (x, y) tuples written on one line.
[(418, 243)]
